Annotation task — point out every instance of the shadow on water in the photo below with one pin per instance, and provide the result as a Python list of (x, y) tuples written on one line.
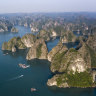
[(40, 63), (71, 44), (73, 91)]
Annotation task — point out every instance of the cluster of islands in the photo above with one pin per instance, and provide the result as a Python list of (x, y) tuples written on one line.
[(71, 66)]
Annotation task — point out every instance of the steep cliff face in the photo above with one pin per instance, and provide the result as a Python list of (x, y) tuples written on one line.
[(55, 50), (13, 44), (38, 50), (45, 35), (68, 36), (54, 81), (88, 50), (85, 53), (54, 34), (13, 49), (68, 61), (64, 39), (92, 42), (28, 40)]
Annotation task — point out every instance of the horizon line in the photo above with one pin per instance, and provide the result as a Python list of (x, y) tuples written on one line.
[(48, 12)]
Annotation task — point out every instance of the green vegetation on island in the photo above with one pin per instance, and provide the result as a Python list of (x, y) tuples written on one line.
[(83, 79), (39, 51)]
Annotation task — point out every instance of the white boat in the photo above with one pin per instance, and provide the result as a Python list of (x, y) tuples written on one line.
[(21, 76), (24, 66)]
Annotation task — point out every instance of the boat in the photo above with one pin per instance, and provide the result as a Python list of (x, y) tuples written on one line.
[(33, 89), (21, 76), (24, 66)]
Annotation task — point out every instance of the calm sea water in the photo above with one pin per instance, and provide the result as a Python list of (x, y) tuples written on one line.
[(15, 81)]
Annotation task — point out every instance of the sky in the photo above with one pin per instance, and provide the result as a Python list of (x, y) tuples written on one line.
[(29, 6)]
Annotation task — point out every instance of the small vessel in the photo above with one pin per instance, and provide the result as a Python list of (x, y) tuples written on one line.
[(33, 89), (21, 76), (24, 66)]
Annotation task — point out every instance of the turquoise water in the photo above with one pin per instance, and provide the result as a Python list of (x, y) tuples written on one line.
[(15, 81)]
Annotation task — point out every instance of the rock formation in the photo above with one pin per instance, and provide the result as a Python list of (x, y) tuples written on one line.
[(28, 40), (55, 50), (14, 29), (38, 50), (13, 44), (13, 49), (69, 60), (68, 36), (71, 64), (92, 42)]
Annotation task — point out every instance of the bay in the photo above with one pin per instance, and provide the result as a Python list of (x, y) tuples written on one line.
[(15, 81)]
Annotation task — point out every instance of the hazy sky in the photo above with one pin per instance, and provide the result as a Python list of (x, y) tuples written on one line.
[(13, 6)]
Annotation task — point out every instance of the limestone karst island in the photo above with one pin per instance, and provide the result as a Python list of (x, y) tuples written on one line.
[(48, 48)]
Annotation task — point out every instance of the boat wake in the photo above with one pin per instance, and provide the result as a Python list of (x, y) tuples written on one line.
[(16, 78)]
